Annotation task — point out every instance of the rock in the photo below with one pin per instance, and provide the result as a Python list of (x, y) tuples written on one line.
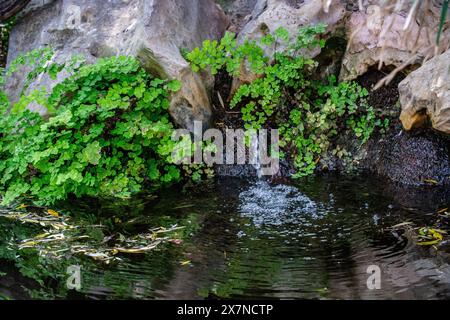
[(269, 15), (378, 34), (425, 94), (154, 31), (239, 11), (416, 158)]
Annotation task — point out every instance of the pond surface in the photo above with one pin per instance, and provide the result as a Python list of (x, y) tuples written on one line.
[(312, 240)]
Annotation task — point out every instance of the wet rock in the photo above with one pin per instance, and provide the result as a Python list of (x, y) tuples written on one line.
[(444, 247), (419, 158), (153, 31), (235, 170), (377, 35), (425, 94)]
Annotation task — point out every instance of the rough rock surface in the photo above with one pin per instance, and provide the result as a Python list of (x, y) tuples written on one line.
[(269, 15), (416, 158), (425, 93), (152, 30), (377, 35), (239, 11)]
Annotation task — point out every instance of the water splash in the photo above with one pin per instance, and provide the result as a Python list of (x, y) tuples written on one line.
[(269, 204)]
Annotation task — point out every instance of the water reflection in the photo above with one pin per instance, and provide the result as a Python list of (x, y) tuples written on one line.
[(257, 240)]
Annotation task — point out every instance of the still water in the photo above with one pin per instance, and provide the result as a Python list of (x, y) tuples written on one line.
[(253, 239)]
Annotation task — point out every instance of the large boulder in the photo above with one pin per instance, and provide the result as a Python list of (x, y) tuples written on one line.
[(153, 30), (377, 34), (425, 94)]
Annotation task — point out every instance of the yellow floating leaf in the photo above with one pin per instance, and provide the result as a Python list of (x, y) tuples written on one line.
[(123, 250), (430, 181), (22, 206), (29, 244), (428, 243), (436, 235), (53, 213), (43, 235), (185, 262), (137, 250)]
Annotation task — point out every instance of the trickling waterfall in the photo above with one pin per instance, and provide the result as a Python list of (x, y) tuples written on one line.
[(255, 159)]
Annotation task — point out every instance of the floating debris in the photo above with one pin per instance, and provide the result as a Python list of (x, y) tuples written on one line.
[(430, 236), (185, 263), (425, 236), (431, 181), (62, 237)]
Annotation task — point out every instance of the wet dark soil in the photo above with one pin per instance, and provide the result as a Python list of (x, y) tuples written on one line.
[(421, 157), (385, 97), (411, 158)]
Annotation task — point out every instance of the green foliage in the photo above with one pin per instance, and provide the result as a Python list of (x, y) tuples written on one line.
[(109, 133), (308, 113), (444, 11)]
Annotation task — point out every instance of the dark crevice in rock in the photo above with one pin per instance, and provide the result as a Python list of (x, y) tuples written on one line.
[(224, 117), (386, 97), (239, 12), (295, 3), (330, 57)]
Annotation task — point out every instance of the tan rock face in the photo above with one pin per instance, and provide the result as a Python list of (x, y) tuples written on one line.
[(152, 30), (269, 15), (378, 35), (291, 15), (425, 93)]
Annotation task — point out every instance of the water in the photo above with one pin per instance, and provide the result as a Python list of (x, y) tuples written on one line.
[(313, 240), (255, 156)]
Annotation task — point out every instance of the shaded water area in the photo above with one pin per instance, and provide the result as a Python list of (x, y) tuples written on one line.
[(253, 239)]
